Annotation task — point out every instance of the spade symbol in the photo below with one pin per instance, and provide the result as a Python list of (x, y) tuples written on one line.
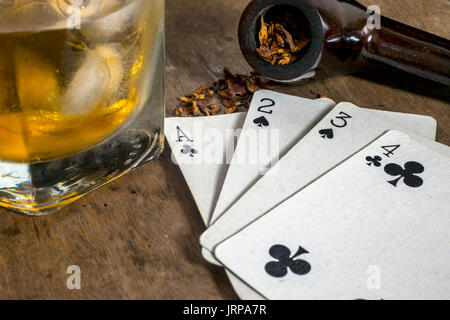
[(261, 122), (327, 133)]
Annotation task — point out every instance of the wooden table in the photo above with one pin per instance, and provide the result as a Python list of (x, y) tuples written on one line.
[(138, 237)]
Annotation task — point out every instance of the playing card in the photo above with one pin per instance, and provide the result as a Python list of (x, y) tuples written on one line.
[(424, 126), (201, 146), (376, 227), (341, 133), (274, 123)]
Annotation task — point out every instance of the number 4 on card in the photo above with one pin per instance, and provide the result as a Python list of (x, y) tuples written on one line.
[(390, 149)]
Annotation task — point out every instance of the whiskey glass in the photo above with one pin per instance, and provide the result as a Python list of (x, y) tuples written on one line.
[(81, 96)]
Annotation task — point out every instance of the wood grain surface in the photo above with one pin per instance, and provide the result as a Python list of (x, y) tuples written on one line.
[(137, 238)]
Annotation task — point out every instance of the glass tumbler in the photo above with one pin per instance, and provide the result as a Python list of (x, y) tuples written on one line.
[(81, 96)]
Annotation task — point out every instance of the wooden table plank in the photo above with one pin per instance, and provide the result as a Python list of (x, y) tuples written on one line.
[(138, 236)]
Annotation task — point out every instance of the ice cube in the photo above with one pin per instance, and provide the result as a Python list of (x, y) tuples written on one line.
[(33, 15), (30, 16), (113, 59), (98, 77), (106, 28), (87, 8)]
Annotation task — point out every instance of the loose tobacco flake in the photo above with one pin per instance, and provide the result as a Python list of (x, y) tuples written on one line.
[(279, 46), (230, 94)]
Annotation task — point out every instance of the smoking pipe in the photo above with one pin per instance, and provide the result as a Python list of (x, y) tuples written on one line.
[(344, 41)]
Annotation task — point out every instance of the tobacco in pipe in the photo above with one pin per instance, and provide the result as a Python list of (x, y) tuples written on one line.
[(342, 42)]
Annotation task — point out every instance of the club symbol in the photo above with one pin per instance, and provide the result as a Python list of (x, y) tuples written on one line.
[(279, 268), (408, 173), (187, 149), (261, 122), (376, 161), (327, 133)]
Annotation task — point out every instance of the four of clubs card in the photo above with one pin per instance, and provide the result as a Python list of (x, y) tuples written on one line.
[(376, 227)]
